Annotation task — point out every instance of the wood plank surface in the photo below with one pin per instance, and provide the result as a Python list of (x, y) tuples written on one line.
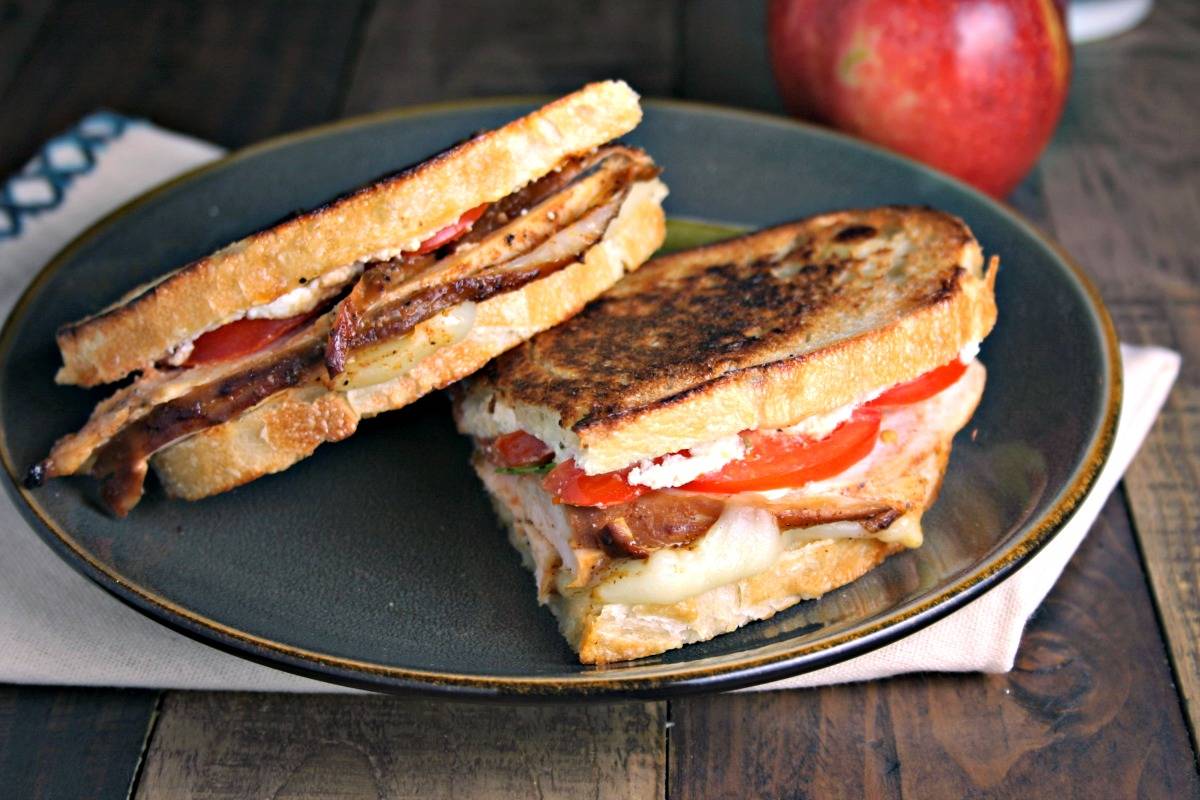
[(418, 52), (71, 743), (221, 746), (230, 72), (1122, 185), (1088, 712)]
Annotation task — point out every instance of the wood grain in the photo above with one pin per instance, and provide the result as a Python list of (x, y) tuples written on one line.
[(231, 72), (243, 745), (76, 743), (1087, 712), (1122, 184), (417, 52)]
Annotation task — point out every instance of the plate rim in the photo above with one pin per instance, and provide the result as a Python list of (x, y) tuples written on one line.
[(680, 679)]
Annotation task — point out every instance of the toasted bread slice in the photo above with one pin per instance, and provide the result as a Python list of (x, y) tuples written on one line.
[(756, 332), (907, 474), (391, 215), (290, 425)]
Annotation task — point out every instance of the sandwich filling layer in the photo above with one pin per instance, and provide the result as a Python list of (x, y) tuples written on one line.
[(665, 545), (395, 314)]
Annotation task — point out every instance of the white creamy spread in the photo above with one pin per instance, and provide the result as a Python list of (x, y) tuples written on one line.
[(818, 426), (305, 298), (181, 354), (677, 469), (297, 301)]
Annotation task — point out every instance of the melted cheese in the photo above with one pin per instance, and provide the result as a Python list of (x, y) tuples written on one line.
[(830, 530), (392, 358), (744, 541)]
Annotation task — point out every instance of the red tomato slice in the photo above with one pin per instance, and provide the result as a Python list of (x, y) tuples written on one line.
[(569, 485), (245, 336), (519, 449), (240, 338), (453, 231), (921, 388), (781, 461)]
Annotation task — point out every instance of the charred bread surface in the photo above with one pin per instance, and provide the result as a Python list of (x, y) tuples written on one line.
[(755, 332)]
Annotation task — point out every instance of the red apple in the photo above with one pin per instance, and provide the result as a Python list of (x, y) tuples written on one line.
[(973, 87)]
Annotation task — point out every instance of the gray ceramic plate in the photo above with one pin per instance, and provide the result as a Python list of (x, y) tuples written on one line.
[(377, 562)]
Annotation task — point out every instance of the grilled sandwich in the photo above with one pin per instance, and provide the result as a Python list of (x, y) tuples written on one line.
[(735, 428), (247, 360)]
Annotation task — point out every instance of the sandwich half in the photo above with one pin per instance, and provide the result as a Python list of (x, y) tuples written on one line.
[(248, 359), (735, 428)]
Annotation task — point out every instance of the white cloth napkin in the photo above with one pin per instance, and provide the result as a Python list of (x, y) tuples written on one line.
[(56, 627)]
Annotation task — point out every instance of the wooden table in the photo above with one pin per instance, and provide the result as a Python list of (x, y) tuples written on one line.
[(1107, 682)]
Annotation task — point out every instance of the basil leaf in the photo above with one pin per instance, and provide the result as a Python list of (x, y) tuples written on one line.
[(534, 469)]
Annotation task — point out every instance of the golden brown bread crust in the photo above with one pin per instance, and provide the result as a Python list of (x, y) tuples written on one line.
[(392, 214), (735, 336), (269, 438), (603, 633), (287, 428)]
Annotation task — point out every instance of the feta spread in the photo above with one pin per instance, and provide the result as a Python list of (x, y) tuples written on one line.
[(677, 469), (819, 426), (305, 298)]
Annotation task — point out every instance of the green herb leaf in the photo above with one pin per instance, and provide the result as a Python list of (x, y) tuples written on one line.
[(535, 469)]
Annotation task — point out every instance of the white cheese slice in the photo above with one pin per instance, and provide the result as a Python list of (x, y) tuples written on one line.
[(393, 358), (744, 541)]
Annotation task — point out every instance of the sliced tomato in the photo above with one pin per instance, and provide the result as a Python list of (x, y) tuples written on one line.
[(776, 460), (568, 484), (244, 336), (453, 231), (240, 338), (921, 388), (519, 449)]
